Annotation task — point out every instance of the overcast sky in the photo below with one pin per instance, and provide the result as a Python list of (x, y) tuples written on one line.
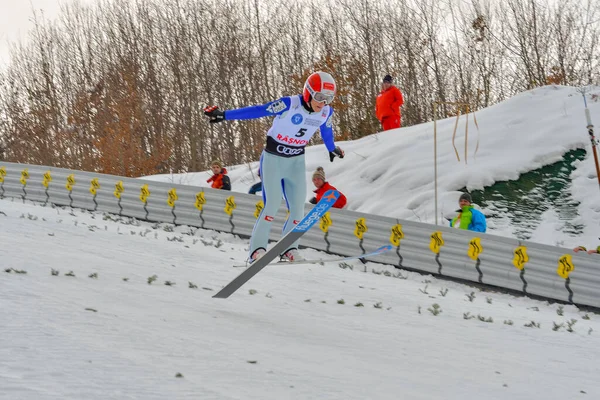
[(16, 20)]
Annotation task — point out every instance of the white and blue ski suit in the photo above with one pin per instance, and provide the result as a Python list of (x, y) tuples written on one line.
[(282, 163)]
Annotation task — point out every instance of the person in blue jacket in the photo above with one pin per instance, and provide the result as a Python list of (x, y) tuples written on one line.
[(468, 217), (282, 164), (257, 187)]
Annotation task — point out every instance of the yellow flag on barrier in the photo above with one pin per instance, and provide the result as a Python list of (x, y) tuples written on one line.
[(94, 186), (144, 193), (2, 173), (360, 228), (119, 189), (230, 205), (259, 207), (397, 235), (565, 266), (70, 182), (436, 242), (325, 222), (172, 197), (521, 258), (24, 176), (47, 179), (200, 200), (475, 248)]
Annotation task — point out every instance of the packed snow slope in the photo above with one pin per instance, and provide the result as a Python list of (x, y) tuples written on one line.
[(97, 307)]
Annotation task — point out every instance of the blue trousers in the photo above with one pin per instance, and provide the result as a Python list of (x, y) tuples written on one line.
[(281, 177)]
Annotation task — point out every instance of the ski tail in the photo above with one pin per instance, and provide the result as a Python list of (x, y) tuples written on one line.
[(313, 216)]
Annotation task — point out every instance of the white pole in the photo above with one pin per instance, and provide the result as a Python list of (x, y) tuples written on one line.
[(435, 161)]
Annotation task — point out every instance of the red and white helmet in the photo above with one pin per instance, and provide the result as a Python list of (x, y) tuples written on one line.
[(320, 86)]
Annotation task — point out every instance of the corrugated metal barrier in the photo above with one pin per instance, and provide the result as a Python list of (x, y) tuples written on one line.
[(531, 268)]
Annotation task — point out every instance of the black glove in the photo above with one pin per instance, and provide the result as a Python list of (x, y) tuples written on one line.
[(313, 200), (336, 152), (214, 114)]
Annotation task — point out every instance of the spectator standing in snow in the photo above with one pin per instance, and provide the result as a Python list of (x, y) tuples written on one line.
[(322, 186), (219, 180), (468, 217), (388, 103), (282, 163)]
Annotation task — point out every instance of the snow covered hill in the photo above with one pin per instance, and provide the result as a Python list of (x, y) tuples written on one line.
[(392, 173)]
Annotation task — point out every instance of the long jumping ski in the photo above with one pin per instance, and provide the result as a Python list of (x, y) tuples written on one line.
[(327, 201), (381, 250)]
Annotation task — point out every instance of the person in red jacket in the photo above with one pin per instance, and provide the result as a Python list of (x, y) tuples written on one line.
[(322, 186), (387, 105), (219, 180)]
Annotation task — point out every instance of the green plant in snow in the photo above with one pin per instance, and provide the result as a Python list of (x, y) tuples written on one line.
[(252, 291), (471, 296), (435, 309), (125, 279), (560, 310), (93, 276), (378, 305), (341, 301), (359, 304), (508, 322), (191, 285), (556, 327), (532, 324), (484, 319), (468, 315), (152, 279), (586, 316), (570, 325), (488, 300), (169, 283), (444, 292), (424, 290), (70, 273), (54, 272), (344, 265)]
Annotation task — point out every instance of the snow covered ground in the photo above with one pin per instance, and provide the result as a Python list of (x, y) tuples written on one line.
[(301, 332), (392, 173), (93, 306)]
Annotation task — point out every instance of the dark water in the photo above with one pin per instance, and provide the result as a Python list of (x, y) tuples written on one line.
[(523, 201)]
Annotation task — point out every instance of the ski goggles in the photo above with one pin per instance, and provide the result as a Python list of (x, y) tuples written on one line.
[(323, 98), (320, 97)]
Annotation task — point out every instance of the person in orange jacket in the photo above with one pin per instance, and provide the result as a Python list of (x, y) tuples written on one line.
[(387, 105), (219, 180), (322, 186)]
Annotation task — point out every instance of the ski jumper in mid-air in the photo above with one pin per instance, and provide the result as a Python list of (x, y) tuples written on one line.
[(282, 163)]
